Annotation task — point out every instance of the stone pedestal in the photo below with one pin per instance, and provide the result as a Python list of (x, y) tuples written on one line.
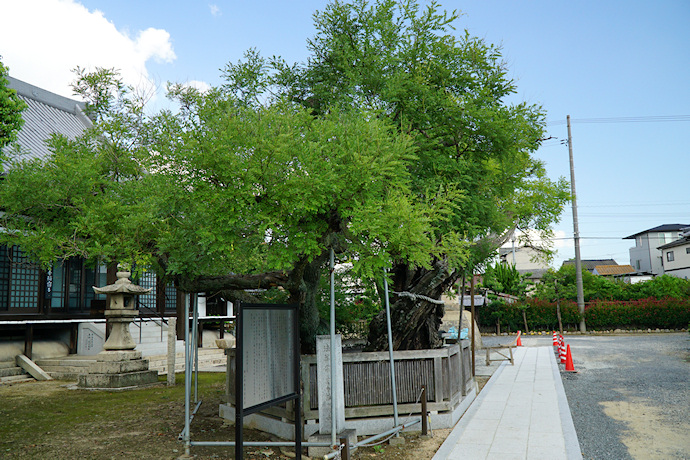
[(118, 370)]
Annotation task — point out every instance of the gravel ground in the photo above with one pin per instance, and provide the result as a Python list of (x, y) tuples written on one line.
[(630, 396)]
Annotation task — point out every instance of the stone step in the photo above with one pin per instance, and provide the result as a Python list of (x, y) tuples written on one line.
[(6, 364), (67, 376), (65, 368), (158, 348), (76, 361), (207, 357), (70, 367), (179, 363), (19, 378), (11, 371)]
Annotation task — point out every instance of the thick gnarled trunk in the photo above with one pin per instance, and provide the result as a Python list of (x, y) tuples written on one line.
[(417, 313)]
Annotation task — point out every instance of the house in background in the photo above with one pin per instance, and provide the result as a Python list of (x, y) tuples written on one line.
[(675, 256), (625, 273), (591, 264), (646, 256), (527, 260)]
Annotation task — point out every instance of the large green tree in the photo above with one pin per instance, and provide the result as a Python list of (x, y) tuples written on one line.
[(393, 146)]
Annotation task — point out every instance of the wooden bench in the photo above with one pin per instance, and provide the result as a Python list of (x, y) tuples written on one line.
[(499, 350)]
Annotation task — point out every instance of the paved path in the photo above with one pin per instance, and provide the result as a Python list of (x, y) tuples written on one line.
[(522, 413)]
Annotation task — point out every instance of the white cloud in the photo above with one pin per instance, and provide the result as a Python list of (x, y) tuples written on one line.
[(202, 86), (215, 10), (48, 38), (155, 43)]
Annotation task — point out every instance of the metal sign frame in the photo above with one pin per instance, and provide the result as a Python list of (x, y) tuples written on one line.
[(293, 394)]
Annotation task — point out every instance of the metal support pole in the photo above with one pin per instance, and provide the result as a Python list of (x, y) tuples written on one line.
[(371, 439), (390, 353), (333, 420), (187, 377), (424, 412), (258, 444), (195, 344)]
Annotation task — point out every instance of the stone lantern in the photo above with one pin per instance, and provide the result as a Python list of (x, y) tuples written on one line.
[(119, 365), (121, 310)]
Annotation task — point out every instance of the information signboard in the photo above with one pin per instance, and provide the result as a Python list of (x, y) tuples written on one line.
[(267, 360)]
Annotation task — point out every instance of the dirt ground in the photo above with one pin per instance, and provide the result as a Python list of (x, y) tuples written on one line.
[(41, 420)]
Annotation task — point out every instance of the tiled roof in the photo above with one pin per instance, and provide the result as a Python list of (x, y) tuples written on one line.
[(659, 229), (607, 270), (47, 113), (590, 264)]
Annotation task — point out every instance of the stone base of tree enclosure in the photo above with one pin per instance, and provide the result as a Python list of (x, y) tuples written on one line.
[(446, 373)]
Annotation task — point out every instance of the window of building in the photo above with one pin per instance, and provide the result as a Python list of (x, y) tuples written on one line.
[(69, 285), (668, 237), (162, 298), (669, 256), (687, 250), (637, 264), (19, 281)]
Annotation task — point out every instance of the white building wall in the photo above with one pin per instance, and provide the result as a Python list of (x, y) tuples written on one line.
[(645, 257), (526, 258), (680, 265)]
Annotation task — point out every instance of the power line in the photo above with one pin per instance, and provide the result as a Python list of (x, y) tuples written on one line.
[(565, 238), (625, 205), (642, 119)]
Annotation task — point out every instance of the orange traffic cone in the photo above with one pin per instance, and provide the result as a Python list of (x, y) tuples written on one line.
[(562, 352), (555, 339), (518, 342), (569, 361)]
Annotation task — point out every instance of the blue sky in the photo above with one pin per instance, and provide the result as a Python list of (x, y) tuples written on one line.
[(602, 61)]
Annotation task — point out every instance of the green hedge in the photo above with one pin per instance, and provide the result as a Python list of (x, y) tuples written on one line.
[(666, 313)]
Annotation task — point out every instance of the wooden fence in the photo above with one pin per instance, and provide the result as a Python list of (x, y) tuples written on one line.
[(446, 372)]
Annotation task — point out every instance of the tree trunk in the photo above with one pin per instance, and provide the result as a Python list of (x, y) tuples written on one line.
[(415, 313), (304, 290), (524, 318)]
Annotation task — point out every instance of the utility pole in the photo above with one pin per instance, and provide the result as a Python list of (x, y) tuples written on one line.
[(576, 231)]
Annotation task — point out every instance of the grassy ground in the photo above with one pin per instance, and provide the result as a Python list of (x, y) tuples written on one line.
[(48, 420)]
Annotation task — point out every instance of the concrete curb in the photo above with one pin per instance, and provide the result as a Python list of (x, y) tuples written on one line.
[(572, 444)]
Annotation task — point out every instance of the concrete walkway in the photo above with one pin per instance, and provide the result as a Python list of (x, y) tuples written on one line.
[(521, 413)]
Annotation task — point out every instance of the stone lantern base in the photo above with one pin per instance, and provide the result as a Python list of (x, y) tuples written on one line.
[(115, 369)]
